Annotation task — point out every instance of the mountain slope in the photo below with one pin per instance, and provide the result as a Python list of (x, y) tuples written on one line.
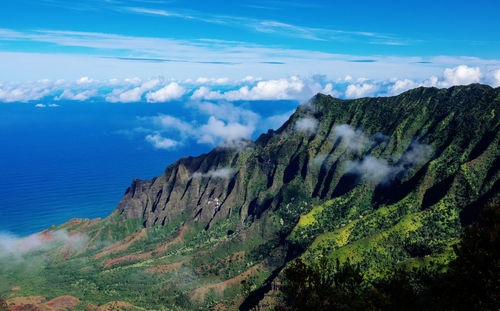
[(383, 181)]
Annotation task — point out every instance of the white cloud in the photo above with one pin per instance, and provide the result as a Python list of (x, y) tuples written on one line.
[(307, 125), (160, 142), (227, 112), (216, 129), (20, 248), (416, 153), (250, 79), (248, 89), (203, 80), (81, 96), (461, 75), (132, 95), (167, 93), (379, 170), (133, 81), (372, 168), (495, 81), (234, 144), (292, 88), (223, 173), (401, 86), (207, 94), (227, 124), (85, 80), (360, 90), (166, 122), (40, 105), (318, 160), (352, 139), (25, 92)]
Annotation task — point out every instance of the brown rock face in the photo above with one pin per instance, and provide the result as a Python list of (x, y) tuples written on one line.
[(201, 187)]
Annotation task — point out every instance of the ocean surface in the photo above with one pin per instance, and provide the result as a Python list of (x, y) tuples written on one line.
[(77, 159)]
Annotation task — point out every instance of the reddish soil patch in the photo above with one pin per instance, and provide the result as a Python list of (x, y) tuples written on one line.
[(139, 256), (177, 239), (122, 245), (16, 288), (28, 307), (74, 222), (30, 303), (82, 228), (199, 293), (63, 302), (25, 300), (165, 268), (131, 257)]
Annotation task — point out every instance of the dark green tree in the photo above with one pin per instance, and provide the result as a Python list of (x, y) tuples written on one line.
[(327, 285), (471, 282), (3, 304), (402, 289), (473, 279)]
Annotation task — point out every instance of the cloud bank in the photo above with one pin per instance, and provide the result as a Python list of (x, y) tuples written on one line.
[(250, 89), (17, 250), (159, 89), (220, 124)]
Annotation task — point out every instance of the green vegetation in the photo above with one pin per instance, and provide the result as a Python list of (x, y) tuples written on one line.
[(397, 190), (470, 281)]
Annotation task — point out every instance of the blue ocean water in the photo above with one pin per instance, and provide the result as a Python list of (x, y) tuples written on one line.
[(74, 160)]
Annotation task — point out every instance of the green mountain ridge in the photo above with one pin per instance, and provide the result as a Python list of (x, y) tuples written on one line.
[(382, 181)]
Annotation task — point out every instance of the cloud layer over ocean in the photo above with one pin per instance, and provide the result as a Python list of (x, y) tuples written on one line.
[(224, 89)]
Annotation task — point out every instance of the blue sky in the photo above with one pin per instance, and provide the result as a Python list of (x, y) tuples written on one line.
[(404, 28), (116, 38), (165, 50)]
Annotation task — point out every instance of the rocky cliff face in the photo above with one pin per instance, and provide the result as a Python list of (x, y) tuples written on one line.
[(311, 149), (382, 181)]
